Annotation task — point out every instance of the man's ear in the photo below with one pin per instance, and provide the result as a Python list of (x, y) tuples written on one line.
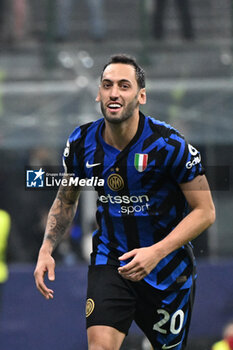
[(98, 96), (142, 96)]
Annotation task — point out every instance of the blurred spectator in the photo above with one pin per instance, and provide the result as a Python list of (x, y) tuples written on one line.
[(5, 223), (13, 20), (2, 15), (183, 6), (20, 19), (227, 342), (4, 23), (97, 23), (96, 14)]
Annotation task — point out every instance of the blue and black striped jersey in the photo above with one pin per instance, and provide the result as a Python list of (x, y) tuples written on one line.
[(141, 201)]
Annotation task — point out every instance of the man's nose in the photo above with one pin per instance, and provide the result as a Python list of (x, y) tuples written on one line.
[(114, 92)]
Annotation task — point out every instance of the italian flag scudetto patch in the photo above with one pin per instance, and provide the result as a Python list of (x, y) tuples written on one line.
[(140, 161)]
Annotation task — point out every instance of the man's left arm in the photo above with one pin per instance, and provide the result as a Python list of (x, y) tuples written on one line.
[(201, 216)]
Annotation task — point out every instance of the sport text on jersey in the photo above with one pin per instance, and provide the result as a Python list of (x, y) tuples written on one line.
[(136, 204)]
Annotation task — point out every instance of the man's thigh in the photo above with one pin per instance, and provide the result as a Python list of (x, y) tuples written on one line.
[(164, 316), (111, 300), (104, 337)]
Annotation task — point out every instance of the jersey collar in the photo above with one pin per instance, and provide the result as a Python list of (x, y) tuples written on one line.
[(130, 144)]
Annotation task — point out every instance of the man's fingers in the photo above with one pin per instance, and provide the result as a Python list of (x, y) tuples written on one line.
[(39, 279), (44, 290), (134, 277), (128, 255), (127, 268), (132, 270), (129, 271), (51, 274)]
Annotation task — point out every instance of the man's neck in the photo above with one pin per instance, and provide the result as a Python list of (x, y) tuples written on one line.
[(120, 135)]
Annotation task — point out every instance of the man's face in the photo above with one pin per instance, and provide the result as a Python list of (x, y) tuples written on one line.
[(119, 94)]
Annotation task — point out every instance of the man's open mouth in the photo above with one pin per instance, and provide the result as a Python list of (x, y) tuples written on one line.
[(114, 106)]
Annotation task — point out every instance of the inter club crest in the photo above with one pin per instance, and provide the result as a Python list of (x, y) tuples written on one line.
[(140, 161)]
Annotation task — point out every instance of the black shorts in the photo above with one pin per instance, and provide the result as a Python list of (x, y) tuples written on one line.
[(113, 301)]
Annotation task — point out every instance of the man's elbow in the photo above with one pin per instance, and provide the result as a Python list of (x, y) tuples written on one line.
[(211, 216)]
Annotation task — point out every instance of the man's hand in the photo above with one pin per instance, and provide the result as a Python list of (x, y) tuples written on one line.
[(45, 264), (60, 217), (143, 262)]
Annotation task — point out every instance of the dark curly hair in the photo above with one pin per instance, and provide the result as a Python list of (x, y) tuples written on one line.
[(125, 59)]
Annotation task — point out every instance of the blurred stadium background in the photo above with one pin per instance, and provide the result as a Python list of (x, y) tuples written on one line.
[(48, 85)]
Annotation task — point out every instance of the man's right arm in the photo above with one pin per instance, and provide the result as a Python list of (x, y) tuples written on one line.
[(60, 218)]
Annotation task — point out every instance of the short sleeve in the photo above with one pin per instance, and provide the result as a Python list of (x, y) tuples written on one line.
[(184, 159), (67, 158), (70, 160)]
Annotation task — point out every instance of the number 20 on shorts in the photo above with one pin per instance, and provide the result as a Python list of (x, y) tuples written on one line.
[(175, 326)]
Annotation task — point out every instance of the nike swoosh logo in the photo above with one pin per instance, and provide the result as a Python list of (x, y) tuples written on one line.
[(170, 346), (91, 165)]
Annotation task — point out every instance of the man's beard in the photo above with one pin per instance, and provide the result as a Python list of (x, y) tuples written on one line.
[(127, 113)]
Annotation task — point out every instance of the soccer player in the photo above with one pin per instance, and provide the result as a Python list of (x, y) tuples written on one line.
[(142, 267)]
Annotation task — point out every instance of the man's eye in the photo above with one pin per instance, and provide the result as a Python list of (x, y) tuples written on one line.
[(106, 85), (125, 86)]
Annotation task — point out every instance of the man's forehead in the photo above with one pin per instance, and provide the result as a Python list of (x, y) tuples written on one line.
[(119, 71)]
